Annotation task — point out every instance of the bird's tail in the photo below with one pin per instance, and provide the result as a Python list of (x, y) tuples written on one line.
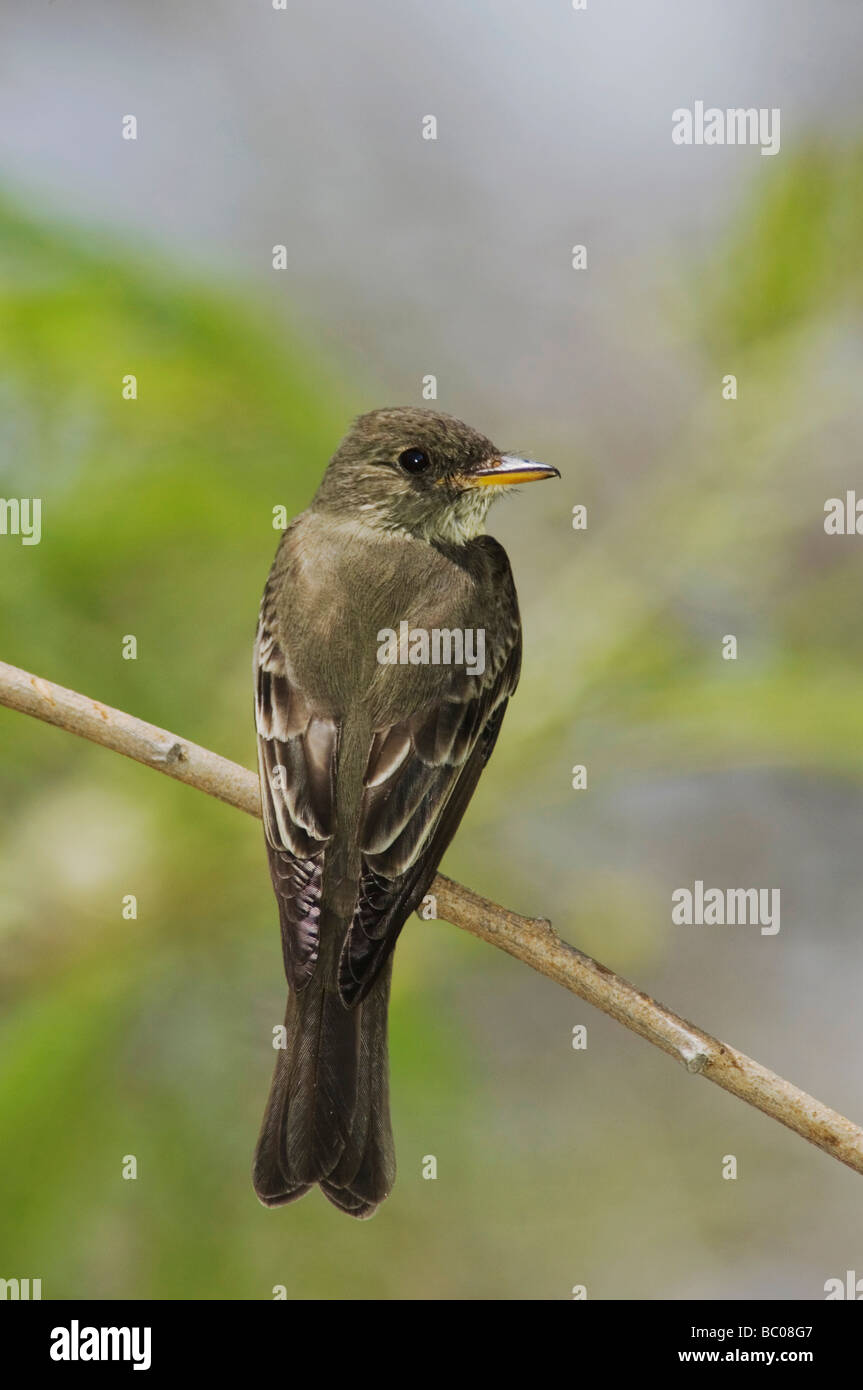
[(328, 1115)]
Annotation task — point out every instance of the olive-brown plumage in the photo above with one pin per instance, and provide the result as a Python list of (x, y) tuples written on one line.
[(367, 766)]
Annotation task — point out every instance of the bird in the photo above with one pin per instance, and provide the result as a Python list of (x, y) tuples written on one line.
[(367, 764)]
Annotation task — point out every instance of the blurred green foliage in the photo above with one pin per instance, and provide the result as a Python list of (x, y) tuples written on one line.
[(726, 534), (151, 1037)]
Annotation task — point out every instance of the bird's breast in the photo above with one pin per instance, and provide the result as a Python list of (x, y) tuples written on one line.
[(381, 624)]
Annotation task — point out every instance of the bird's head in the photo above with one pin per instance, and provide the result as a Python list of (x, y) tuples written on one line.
[(407, 470)]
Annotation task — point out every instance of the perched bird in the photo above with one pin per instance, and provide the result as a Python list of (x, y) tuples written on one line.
[(367, 764)]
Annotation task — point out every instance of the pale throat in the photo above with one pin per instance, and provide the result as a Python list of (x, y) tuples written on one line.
[(456, 524)]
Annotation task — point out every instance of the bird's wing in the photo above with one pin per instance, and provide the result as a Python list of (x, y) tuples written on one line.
[(421, 774), (297, 752)]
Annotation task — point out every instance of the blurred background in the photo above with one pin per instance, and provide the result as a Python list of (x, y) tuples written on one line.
[(408, 257)]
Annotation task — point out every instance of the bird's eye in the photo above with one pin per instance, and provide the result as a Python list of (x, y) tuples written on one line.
[(414, 460)]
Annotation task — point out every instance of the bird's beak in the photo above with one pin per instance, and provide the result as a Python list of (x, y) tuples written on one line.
[(508, 468)]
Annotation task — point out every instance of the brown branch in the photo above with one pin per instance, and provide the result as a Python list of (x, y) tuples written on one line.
[(529, 939)]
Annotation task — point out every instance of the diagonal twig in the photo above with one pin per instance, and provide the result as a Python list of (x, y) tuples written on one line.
[(530, 939)]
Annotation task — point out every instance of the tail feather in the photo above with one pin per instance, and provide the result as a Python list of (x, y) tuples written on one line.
[(323, 1047), (366, 1171), (327, 1119)]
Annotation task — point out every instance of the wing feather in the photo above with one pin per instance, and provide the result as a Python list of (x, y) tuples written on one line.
[(420, 774), (420, 777), (297, 754)]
